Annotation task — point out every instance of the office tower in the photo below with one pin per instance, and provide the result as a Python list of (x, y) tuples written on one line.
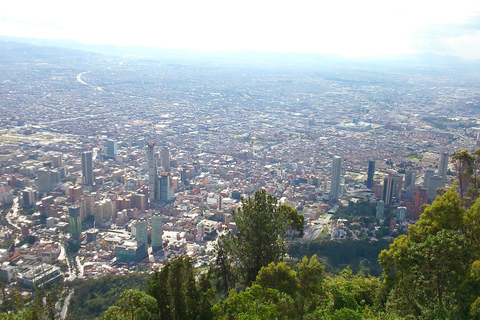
[(401, 214), (336, 170), (421, 197), (371, 172), (434, 183), (57, 161), (157, 231), (87, 168), (428, 173), (112, 149), (397, 185), (165, 159), (166, 192), (380, 210), (409, 178), (152, 172), (388, 191), (75, 221), (29, 197), (142, 233), (43, 180), (443, 166)]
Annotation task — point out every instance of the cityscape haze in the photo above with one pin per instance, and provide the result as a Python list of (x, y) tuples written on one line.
[(119, 159)]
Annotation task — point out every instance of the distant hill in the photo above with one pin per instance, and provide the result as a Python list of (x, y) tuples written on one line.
[(66, 48)]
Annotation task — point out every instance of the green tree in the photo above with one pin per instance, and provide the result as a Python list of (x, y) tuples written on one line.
[(295, 221), (254, 303), (427, 273), (445, 213), (310, 283), (224, 265), (262, 225), (278, 276), (135, 305), (177, 292)]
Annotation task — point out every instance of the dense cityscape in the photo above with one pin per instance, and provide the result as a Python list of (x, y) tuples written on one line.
[(111, 165)]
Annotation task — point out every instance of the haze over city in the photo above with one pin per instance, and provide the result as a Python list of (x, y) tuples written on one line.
[(131, 137), (347, 28)]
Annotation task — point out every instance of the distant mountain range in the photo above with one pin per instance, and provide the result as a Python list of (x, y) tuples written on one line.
[(68, 47)]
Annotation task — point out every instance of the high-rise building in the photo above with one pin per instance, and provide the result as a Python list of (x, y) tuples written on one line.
[(112, 149), (388, 191), (87, 168), (142, 233), (409, 178), (421, 197), (336, 171), (43, 180), (75, 221), (152, 172), (166, 192), (157, 231), (371, 172), (428, 173), (165, 158), (434, 183), (401, 214), (380, 210), (443, 166)]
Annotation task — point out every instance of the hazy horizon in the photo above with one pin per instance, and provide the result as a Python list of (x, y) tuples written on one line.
[(345, 28)]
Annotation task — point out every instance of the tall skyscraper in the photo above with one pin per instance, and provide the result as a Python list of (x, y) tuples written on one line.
[(142, 233), (371, 172), (165, 158), (87, 168), (43, 180), (75, 221), (166, 192), (421, 197), (157, 231), (112, 149), (428, 174), (443, 166), (388, 191), (152, 172), (434, 183), (409, 178), (336, 171)]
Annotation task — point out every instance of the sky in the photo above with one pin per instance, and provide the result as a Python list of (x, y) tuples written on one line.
[(349, 28)]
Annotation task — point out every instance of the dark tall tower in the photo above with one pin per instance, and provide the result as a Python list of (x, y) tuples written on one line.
[(371, 172), (152, 173), (87, 168), (75, 221), (388, 184)]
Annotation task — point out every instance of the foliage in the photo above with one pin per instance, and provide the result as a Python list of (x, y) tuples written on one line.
[(262, 226), (224, 266), (364, 208), (344, 253), (133, 304), (427, 273), (93, 297), (177, 292)]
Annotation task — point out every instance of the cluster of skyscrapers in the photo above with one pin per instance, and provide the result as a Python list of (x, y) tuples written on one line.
[(160, 186), (397, 186)]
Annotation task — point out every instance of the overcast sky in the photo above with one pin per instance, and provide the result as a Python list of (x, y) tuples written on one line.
[(349, 28)]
